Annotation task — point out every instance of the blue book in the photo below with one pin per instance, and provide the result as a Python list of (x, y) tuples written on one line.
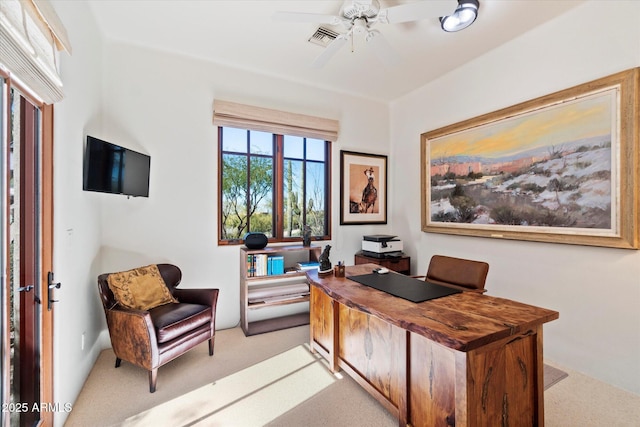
[(277, 264), (308, 265)]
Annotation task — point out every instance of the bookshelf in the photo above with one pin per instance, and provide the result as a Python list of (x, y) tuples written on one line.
[(285, 285)]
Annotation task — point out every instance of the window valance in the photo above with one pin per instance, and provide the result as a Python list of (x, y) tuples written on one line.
[(30, 35), (242, 116)]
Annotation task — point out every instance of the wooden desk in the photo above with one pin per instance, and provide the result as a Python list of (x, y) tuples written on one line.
[(466, 359)]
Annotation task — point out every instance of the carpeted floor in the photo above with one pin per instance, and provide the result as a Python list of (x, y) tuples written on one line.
[(272, 379)]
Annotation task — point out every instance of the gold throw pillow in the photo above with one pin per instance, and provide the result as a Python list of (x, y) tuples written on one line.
[(141, 288)]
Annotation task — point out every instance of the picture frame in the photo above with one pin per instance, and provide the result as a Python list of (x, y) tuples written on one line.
[(562, 168), (363, 188)]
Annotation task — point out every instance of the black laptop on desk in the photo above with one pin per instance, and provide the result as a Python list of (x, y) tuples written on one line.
[(405, 287)]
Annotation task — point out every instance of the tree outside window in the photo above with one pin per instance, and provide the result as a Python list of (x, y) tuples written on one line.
[(273, 184)]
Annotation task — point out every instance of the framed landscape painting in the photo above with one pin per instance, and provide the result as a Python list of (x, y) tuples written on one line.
[(363, 188), (562, 168)]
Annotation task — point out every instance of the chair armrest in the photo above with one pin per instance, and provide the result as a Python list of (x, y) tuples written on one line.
[(197, 296), (133, 336)]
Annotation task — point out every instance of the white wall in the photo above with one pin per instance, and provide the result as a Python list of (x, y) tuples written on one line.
[(596, 290), (76, 213)]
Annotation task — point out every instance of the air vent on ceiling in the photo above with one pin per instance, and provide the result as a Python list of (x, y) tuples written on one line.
[(323, 36)]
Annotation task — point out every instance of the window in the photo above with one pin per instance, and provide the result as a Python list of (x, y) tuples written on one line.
[(273, 184)]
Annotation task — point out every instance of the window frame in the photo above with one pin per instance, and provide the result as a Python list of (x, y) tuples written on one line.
[(278, 191)]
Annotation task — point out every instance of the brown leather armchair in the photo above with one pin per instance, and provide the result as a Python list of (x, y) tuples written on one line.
[(150, 339), (459, 273)]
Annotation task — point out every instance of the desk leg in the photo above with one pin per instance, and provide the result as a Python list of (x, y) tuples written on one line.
[(312, 319), (539, 398), (324, 324), (335, 336), (403, 383), (504, 383)]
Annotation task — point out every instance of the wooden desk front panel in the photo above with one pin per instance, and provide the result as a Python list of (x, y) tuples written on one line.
[(374, 349), (485, 387), (432, 384), (321, 319), (508, 382), (370, 350)]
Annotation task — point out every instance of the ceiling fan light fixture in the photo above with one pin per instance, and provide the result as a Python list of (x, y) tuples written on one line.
[(464, 15), (360, 9)]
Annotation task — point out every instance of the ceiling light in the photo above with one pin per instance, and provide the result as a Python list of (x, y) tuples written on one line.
[(465, 14)]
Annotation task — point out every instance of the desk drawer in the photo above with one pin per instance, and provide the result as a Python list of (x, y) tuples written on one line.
[(400, 264), (396, 264)]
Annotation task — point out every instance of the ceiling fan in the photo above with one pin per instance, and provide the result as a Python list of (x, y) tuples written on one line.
[(358, 17)]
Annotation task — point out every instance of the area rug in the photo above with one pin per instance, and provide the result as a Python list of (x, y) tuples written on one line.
[(553, 376)]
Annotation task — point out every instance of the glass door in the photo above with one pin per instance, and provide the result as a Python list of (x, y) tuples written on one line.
[(22, 299)]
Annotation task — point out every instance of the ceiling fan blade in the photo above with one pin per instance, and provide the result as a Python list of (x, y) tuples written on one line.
[(385, 52), (417, 11), (317, 18), (330, 50)]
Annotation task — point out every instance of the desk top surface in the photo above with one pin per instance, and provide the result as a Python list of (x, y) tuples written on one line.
[(463, 321)]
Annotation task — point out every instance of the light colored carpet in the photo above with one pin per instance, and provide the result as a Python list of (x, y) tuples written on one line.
[(110, 395), (256, 395), (272, 379)]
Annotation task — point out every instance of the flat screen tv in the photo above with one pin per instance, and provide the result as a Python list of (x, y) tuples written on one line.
[(110, 168)]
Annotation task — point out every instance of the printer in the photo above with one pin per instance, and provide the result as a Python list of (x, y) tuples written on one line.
[(381, 246)]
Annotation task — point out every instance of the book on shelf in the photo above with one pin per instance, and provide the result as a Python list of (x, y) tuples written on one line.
[(264, 265), (277, 264), (311, 265)]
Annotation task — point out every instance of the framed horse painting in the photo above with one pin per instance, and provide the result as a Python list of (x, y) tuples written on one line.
[(363, 188)]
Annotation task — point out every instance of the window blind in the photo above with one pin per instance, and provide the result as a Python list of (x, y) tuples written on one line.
[(242, 116), (30, 34)]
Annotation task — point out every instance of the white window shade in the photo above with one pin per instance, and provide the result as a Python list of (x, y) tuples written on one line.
[(231, 114), (30, 33)]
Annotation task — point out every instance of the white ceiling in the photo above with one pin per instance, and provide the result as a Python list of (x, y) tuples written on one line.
[(242, 33)]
